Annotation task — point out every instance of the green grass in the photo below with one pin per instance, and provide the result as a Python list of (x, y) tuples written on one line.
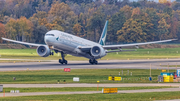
[(156, 53), (85, 75), (99, 97), (170, 65), (66, 89)]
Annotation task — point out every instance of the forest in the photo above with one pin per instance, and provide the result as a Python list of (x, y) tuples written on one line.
[(142, 21)]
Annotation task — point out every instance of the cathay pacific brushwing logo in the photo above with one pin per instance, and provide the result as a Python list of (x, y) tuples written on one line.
[(103, 36), (57, 38), (103, 39)]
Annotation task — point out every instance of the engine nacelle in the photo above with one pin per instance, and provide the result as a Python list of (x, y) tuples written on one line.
[(97, 52), (43, 51)]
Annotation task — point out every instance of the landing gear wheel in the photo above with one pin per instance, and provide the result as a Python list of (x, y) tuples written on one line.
[(65, 61), (90, 61), (93, 61), (60, 61), (96, 62)]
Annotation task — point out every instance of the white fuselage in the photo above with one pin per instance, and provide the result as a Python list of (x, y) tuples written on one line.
[(68, 43)]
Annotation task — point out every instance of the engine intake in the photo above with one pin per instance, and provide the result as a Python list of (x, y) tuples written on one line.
[(95, 51), (43, 51)]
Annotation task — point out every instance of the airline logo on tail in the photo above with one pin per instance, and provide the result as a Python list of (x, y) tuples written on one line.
[(103, 35)]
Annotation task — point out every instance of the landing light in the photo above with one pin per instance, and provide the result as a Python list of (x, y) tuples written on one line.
[(51, 47)]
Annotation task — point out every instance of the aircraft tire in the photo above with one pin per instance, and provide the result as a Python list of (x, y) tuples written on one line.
[(96, 62), (60, 61), (65, 62), (90, 61)]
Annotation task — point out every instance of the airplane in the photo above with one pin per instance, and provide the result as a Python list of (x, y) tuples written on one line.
[(69, 44)]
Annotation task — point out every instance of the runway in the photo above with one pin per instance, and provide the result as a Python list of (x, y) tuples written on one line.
[(103, 64)]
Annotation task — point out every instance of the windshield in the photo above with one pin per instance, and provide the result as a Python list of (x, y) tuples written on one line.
[(49, 34)]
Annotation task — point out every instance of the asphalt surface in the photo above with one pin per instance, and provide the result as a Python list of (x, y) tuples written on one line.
[(103, 64), (89, 92), (92, 85)]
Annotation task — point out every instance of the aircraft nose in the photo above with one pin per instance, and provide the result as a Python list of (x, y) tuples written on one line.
[(47, 39)]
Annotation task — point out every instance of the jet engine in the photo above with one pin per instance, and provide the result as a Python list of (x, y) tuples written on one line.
[(97, 52), (43, 51)]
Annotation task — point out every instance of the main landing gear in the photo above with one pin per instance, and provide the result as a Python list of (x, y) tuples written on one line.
[(93, 61), (63, 61), (52, 53)]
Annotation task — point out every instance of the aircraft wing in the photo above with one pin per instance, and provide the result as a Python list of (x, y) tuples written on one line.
[(20, 42), (135, 44), (85, 48)]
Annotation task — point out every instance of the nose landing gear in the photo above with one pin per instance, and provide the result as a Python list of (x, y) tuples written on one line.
[(63, 61)]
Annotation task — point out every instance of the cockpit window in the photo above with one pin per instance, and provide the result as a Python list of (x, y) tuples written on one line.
[(49, 34)]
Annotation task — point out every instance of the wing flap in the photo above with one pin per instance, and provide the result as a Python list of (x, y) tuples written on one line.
[(20, 42)]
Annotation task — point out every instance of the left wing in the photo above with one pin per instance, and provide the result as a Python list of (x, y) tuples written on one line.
[(135, 44), (20, 42)]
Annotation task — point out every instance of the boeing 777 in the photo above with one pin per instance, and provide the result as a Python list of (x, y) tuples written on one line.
[(69, 44)]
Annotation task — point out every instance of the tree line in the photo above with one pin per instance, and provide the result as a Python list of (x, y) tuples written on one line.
[(142, 21)]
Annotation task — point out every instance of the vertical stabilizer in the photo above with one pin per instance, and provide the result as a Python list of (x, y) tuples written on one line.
[(103, 35)]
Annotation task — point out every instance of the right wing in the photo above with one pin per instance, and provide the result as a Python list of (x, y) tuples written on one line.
[(134, 44), (20, 42)]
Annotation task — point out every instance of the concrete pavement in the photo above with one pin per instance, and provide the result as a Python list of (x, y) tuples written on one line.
[(89, 92), (103, 64), (91, 85)]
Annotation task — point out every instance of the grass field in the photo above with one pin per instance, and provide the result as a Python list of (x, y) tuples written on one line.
[(170, 65), (66, 89), (156, 53), (85, 75), (99, 97)]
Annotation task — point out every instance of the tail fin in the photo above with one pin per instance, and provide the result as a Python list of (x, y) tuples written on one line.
[(103, 35)]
